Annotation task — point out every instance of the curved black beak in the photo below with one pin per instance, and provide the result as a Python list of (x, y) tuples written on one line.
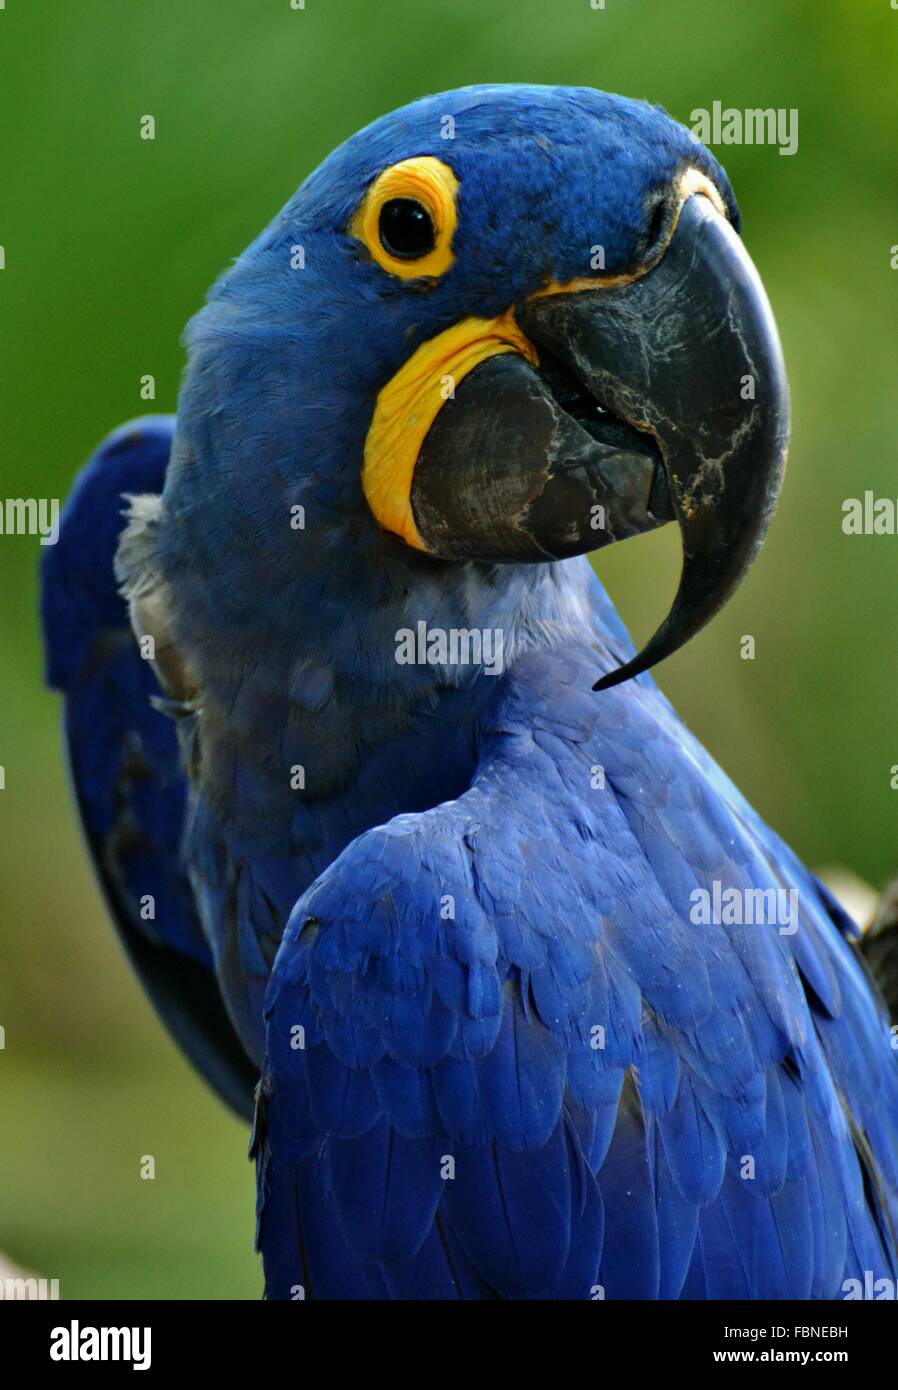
[(690, 354)]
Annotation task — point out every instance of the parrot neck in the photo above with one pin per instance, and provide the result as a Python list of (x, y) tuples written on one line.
[(333, 701)]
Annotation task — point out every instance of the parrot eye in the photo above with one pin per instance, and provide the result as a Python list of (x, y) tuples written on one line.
[(407, 218), (405, 229)]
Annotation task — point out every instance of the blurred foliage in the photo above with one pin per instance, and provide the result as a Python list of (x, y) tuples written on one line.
[(110, 244)]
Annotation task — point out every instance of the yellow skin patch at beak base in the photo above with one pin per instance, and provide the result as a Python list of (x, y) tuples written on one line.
[(409, 403), (691, 181)]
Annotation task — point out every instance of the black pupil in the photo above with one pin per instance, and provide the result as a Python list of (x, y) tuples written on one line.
[(406, 230)]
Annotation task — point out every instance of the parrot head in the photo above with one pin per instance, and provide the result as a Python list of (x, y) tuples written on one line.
[(506, 326)]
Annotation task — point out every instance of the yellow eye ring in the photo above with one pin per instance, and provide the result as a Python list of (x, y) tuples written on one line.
[(424, 181)]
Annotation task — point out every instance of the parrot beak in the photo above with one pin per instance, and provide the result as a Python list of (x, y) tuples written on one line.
[(664, 397), (691, 354)]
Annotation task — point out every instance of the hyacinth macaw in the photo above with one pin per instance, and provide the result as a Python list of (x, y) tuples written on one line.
[(531, 1001)]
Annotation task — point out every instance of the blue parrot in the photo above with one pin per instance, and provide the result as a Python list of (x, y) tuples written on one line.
[(526, 1000)]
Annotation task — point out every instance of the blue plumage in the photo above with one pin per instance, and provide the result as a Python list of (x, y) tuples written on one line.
[(728, 1056), (498, 1058)]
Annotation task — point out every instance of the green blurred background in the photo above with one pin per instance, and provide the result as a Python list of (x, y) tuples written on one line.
[(110, 245)]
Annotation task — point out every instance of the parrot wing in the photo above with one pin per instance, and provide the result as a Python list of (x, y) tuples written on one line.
[(503, 1060), (124, 758)]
